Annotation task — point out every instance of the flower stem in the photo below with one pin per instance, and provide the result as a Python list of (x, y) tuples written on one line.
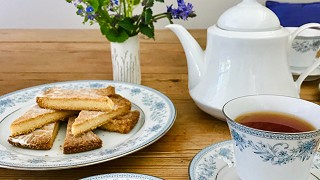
[(130, 8), (124, 8), (160, 16)]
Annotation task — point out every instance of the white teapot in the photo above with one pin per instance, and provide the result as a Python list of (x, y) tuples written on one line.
[(246, 54)]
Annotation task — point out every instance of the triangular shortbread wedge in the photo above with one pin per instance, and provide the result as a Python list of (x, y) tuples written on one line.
[(122, 124), (36, 117), (89, 120), (77, 99), (41, 139), (84, 142)]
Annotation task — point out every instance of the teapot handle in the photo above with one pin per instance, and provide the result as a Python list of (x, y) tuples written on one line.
[(305, 74)]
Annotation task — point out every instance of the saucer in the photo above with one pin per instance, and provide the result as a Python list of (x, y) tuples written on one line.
[(216, 162), (314, 75)]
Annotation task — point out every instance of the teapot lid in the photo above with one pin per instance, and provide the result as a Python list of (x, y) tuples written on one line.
[(249, 16)]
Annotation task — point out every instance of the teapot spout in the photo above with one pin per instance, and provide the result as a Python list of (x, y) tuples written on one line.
[(194, 54)]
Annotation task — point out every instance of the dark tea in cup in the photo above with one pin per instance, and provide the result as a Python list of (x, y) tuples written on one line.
[(275, 122)]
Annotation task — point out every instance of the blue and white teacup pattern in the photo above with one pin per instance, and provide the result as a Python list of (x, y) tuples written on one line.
[(304, 48), (266, 155)]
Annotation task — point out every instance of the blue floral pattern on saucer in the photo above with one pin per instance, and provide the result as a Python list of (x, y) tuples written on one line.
[(157, 116), (208, 163)]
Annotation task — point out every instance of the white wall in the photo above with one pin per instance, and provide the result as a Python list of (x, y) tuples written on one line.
[(60, 14)]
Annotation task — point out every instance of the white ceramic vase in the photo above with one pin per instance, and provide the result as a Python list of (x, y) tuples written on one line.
[(126, 60)]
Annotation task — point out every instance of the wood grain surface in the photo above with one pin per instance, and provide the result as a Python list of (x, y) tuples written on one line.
[(34, 57)]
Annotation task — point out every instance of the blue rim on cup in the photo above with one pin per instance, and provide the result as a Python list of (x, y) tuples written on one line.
[(266, 155)]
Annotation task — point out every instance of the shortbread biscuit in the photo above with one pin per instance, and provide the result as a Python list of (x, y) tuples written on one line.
[(84, 142), (40, 139), (122, 124), (77, 99), (36, 117), (89, 120)]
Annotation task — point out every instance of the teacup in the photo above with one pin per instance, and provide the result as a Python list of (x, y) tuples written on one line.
[(267, 155), (304, 48)]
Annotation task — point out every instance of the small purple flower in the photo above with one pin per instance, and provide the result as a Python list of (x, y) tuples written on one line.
[(76, 2), (80, 11), (90, 16)]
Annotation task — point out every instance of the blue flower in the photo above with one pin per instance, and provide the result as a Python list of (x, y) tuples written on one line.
[(89, 9), (182, 12), (114, 2)]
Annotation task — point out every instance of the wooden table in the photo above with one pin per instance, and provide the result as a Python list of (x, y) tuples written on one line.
[(35, 57)]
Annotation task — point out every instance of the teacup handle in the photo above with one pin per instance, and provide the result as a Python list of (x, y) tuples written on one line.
[(305, 74)]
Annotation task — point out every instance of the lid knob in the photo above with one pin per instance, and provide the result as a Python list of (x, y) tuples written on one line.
[(249, 16)]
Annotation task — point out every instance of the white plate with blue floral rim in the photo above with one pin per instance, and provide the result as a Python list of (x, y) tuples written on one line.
[(122, 176), (157, 115), (216, 162)]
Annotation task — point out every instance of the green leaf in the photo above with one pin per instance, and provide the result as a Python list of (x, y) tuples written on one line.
[(160, 1), (105, 16), (147, 30), (147, 15), (94, 4), (110, 34), (85, 20), (103, 29), (123, 36), (148, 3), (80, 7), (113, 35), (135, 2), (127, 24), (103, 2), (69, 1)]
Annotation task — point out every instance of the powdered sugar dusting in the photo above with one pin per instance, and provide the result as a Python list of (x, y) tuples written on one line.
[(76, 93), (36, 111)]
